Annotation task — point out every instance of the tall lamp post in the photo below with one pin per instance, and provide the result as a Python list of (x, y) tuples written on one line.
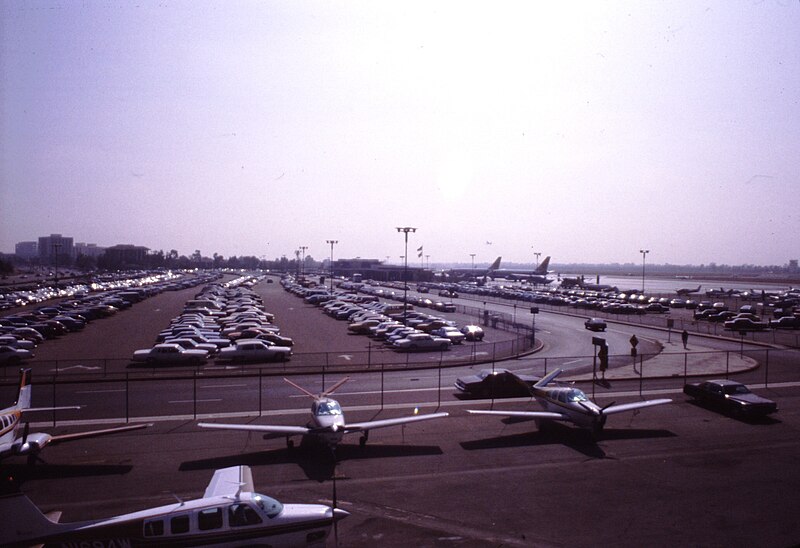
[(473, 261), (303, 261), (644, 253), (405, 230), (331, 276), (537, 254), (56, 249)]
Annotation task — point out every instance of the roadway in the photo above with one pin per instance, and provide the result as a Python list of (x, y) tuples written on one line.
[(674, 474)]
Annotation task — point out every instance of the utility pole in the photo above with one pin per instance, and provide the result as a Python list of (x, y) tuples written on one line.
[(405, 230), (644, 253), (331, 273)]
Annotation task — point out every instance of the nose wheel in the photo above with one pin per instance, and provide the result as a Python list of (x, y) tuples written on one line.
[(362, 441)]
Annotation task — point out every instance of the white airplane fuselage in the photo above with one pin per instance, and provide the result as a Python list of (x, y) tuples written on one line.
[(328, 421), (582, 412)]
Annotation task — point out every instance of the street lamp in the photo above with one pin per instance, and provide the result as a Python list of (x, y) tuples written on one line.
[(405, 230), (331, 276), (644, 253), (538, 254), (56, 249), (303, 261), (473, 260)]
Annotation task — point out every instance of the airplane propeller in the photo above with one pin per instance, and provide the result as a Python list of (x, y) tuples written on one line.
[(321, 395)]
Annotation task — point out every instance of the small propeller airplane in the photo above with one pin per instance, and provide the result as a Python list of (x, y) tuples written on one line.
[(327, 421), (567, 403), (230, 513), (685, 291), (31, 443)]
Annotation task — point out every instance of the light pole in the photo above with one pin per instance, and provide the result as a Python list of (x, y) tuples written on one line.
[(537, 254), (405, 230), (303, 262), (56, 249), (644, 253), (331, 276), (473, 261)]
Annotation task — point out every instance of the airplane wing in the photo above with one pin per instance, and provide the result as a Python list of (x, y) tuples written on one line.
[(37, 409), (93, 433), (230, 481), (635, 405), (265, 428), (525, 414), (369, 425)]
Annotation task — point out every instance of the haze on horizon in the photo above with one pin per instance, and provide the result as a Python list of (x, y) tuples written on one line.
[(583, 130)]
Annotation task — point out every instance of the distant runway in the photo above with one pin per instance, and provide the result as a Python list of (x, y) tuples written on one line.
[(669, 285)]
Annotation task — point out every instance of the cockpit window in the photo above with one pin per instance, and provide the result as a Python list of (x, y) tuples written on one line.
[(329, 407), (268, 504), (575, 395), (242, 514)]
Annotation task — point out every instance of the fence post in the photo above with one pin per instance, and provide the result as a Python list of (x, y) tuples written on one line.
[(194, 391), (260, 390), (127, 397), (766, 369)]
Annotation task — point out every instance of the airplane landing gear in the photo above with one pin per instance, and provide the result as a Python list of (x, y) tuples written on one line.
[(362, 441), (289, 443)]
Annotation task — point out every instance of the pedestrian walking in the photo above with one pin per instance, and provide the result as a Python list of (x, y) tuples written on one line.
[(685, 338)]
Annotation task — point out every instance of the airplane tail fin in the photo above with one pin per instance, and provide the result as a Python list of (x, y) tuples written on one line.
[(24, 393), (547, 379), (28, 523), (495, 265), (542, 268)]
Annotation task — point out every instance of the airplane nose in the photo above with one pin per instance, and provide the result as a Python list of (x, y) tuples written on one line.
[(339, 514)]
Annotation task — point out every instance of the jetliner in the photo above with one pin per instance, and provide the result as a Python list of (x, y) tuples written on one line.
[(581, 282), (471, 273), (566, 403), (230, 513), (30, 444), (687, 291), (536, 276), (327, 421)]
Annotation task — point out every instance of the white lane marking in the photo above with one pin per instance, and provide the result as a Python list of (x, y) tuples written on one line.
[(192, 401), (98, 391), (223, 386), (573, 361)]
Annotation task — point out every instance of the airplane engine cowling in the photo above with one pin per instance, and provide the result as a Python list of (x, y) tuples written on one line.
[(34, 443)]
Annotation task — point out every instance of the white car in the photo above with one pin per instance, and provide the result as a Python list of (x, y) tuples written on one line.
[(10, 340), (450, 332), (12, 356), (170, 353), (191, 344), (421, 341), (254, 350)]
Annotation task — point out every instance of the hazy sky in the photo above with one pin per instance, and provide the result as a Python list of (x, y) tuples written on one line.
[(582, 130)]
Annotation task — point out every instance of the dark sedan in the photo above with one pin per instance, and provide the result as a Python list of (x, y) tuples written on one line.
[(500, 383), (731, 397)]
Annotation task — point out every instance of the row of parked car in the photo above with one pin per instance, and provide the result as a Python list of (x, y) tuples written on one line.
[(20, 333), (400, 326), (226, 322)]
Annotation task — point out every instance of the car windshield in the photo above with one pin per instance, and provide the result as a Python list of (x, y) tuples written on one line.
[(487, 372), (737, 389)]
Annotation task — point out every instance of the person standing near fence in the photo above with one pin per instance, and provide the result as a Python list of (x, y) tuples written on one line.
[(685, 338)]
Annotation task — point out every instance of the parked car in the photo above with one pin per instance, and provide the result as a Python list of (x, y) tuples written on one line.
[(500, 383), (595, 324), (170, 354), (731, 397), (473, 332), (254, 350), (745, 324), (10, 355), (450, 332), (421, 341), (786, 322)]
